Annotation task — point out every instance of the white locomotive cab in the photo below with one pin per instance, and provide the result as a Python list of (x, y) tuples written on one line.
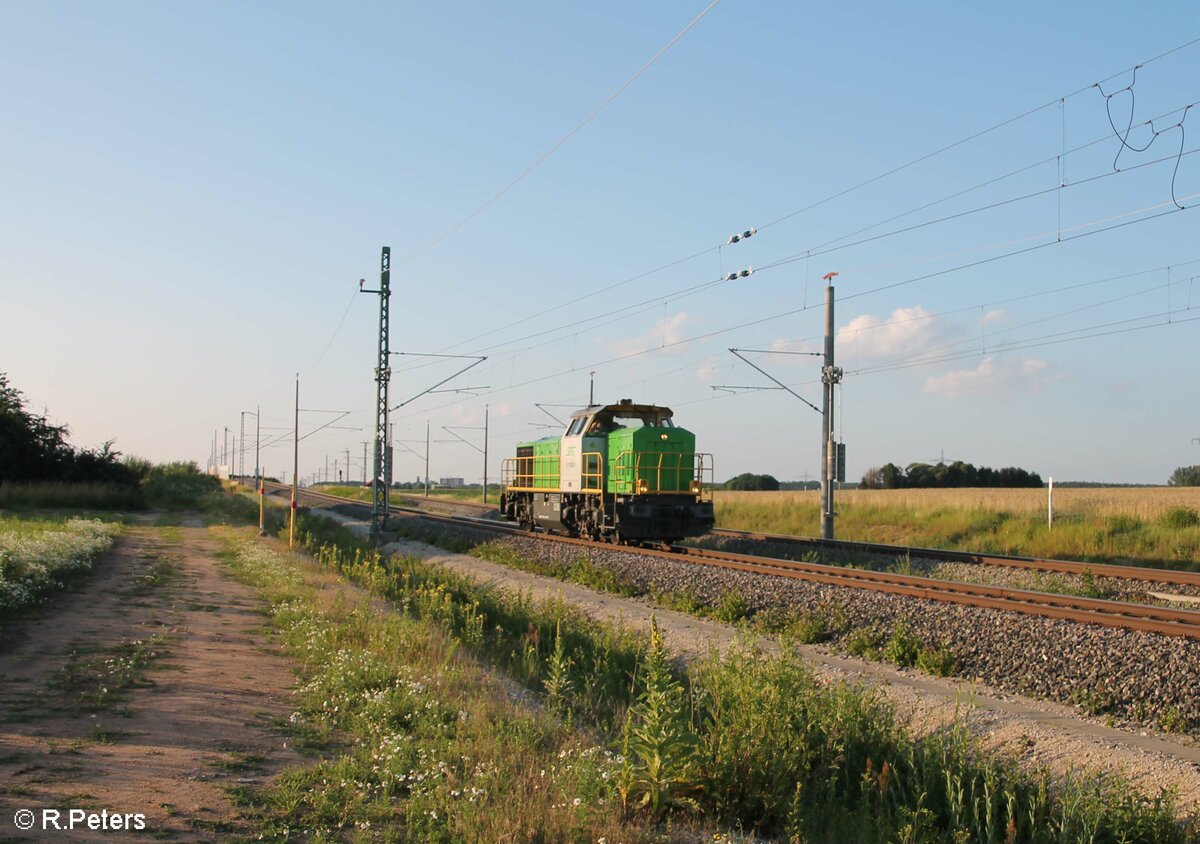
[(579, 440)]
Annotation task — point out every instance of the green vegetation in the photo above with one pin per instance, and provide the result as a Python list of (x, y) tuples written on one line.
[(1170, 539), (419, 740), (39, 469), (40, 556), (1185, 476), (407, 494), (580, 570), (171, 486), (96, 680), (750, 481), (946, 476), (687, 749), (31, 449)]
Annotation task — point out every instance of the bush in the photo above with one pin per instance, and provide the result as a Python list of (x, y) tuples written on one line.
[(1179, 518), (731, 609), (1118, 525), (902, 647), (939, 661), (864, 642), (178, 484), (752, 482)]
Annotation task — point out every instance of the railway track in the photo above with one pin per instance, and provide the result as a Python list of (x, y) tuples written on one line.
[(1141, 573), (1153, 619)]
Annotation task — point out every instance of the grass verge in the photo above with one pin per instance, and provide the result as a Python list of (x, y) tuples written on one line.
[(748, 742)]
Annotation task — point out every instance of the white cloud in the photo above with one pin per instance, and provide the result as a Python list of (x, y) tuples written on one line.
[(998, 378), (994, 315), (664, 332), (782, 345), (907, 331)]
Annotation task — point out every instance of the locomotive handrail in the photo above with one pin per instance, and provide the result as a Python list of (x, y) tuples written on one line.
[(521, 474), (592, 481), (634, 470)]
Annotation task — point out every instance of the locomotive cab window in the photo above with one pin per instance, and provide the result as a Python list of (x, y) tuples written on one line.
[(576, 426)]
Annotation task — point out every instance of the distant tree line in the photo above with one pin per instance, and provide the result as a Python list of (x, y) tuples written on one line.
[(1185, 476), (750, 481), (946, 475), (31, 449)]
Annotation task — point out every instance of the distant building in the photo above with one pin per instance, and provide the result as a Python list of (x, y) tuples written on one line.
[(451, 483)]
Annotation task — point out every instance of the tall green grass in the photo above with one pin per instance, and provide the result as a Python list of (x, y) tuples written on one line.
[(751, 741), (70, 496), (419, 741)]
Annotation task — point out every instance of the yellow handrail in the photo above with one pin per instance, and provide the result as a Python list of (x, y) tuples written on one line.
[(642, 473), (541, 473), (663, 473), (532, 473)]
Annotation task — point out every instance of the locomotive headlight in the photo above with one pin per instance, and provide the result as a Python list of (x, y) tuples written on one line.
[(695, 487), (642, 486)]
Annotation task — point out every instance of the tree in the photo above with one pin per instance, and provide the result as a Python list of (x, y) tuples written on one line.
[(892, 476), (1185, 476), (872, 479), (750, 481), (941, 476), (31, 449)]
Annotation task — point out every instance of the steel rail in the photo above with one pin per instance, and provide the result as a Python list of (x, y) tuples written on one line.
[(1117, 614), (1143, 573)]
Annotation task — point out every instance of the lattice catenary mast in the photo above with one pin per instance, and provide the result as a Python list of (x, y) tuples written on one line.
[(382, 477)]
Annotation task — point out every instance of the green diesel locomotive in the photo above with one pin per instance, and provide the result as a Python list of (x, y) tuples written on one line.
[(620, 472)]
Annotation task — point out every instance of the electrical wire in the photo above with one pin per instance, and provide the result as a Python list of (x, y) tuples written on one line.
[(479, 210), (927, 156), (341, 322), (808, 254), (972, 137), (718, 332)]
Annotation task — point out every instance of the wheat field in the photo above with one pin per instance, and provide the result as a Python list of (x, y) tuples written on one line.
[(1147, 503)]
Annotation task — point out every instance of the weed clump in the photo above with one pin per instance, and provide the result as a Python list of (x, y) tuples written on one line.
[(1179, 518)]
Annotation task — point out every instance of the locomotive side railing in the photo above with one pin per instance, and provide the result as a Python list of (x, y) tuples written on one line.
[(541, 473), (663, 473), (592, 478)]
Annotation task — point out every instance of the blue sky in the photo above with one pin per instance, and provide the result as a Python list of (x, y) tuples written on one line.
[(191, 193)]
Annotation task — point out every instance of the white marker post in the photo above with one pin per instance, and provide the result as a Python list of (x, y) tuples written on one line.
[(1050, 505)]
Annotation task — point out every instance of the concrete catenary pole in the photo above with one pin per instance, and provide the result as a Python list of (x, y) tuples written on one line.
[(258, 481), (830, 376), (295, 468), (485, 450), (426, 458)]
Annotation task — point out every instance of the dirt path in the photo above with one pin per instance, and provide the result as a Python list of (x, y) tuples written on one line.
[(151, 689)]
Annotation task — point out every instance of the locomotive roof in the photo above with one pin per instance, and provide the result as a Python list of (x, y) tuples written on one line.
[(626, 406)]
